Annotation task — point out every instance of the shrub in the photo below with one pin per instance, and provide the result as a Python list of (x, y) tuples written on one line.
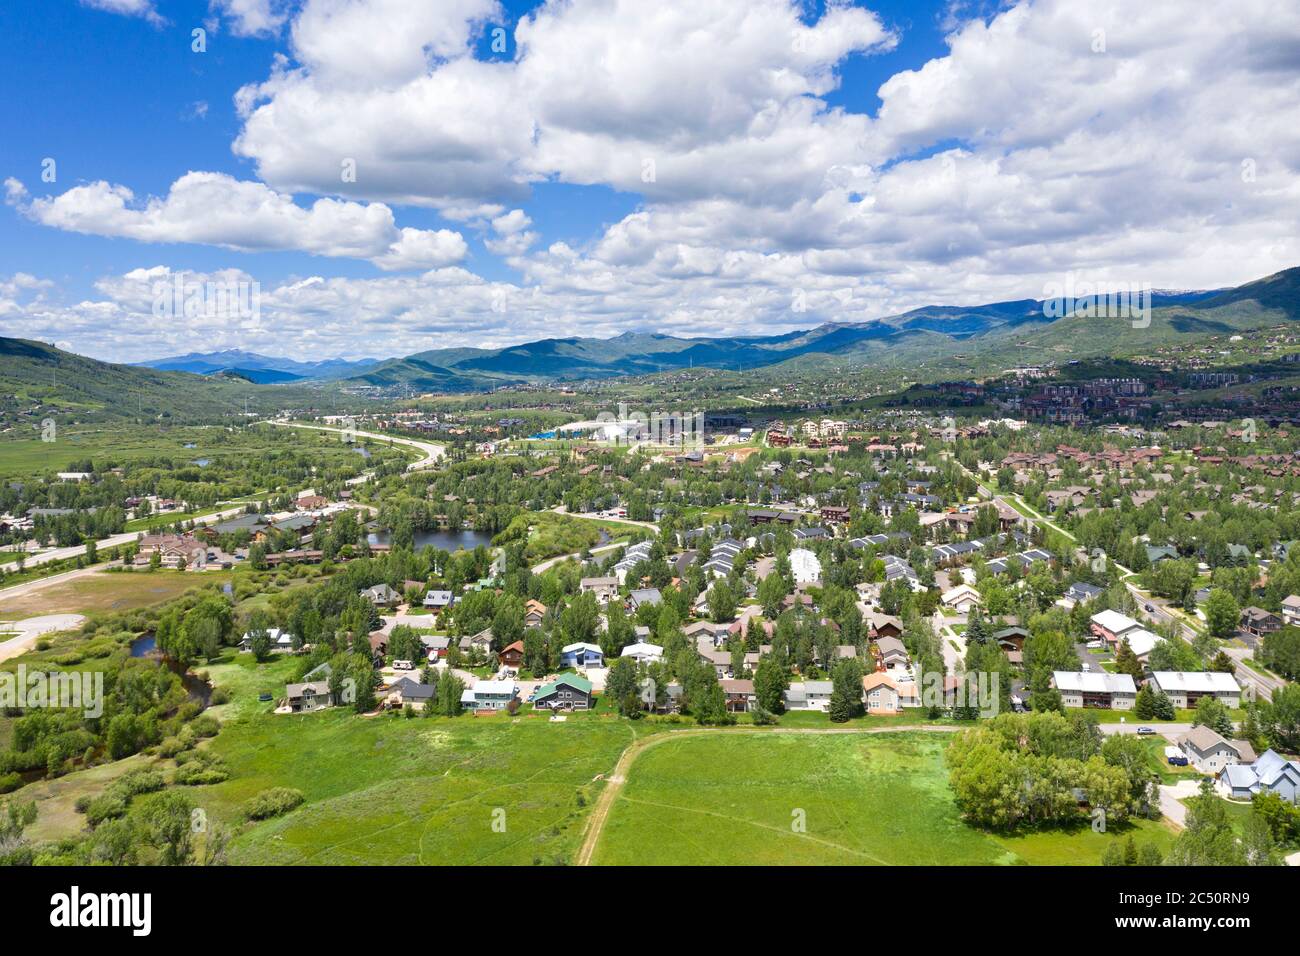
[(107, 806), (219, 696), (273, 803), (10, 782)]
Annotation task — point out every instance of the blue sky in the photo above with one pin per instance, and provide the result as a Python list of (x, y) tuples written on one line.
[(781, 177), (113, 97)]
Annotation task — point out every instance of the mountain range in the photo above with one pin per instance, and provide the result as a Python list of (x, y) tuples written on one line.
[(261, 369), (930, 342)]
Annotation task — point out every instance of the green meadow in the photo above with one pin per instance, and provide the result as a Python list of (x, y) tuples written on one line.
[(804, 799), (390, 790)]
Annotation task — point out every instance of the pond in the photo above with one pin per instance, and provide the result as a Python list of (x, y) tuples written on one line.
[(146, 645), (466, 540)]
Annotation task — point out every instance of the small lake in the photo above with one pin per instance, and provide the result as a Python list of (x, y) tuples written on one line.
[(144, 646), (202, 462), (466, 540)]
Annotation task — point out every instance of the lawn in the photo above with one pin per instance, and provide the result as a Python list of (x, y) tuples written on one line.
[(387, 790), (113, 591), (732, 798)]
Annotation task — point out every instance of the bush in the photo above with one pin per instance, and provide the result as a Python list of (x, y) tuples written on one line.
[(107, 806), (197, 775), (205, 726), (10, 782), (219, 696), (273, 803)]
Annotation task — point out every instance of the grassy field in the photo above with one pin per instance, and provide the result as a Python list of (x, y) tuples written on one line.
[(866, 799), (387, 790), (114, 591)]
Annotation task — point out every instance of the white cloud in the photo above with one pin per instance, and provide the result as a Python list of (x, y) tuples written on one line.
[(216, 209), (144, 9), (253, 17), (1164, 148)]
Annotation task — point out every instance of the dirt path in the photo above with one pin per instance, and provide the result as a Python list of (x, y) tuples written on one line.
[(618, 777)]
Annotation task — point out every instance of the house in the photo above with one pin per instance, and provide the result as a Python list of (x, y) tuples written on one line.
[(438, 601), (963, 599), (566, 692), (605, 589), (1140, 642), (1271, 772), (311, 503), (809, 695), (1095, 689), (409, 693), (740, 695), (1110, 626), (534, 612), (1080, 592), (480, 642), (643, 652), (642, 596), (1257, 621), (892, 652), (804, 566), (1209, 752), (173, 550), (281, 641), (512, 655), (381, 595), (1291, 610), (308, 697), (1158, 553), (1185, 688), (582, 656), (1012, 641), (435, 646), (489, 695), (880, 692), (884, 625)]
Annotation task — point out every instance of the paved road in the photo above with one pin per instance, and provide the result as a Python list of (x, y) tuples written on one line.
[(1262, 684), (431, 451), (30, 629), (1170, 732), (126, 537), (551, 562)]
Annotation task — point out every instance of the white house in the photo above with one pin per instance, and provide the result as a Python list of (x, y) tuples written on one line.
[(1291, 610), (643, 652), (281, 641), (1095, 689), (1185, 688), (809, 695), (489, 695), (963, 598), (1111, 626), (804, 566)]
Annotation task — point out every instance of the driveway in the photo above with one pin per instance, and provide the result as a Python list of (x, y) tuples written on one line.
[(30, 629), (1171, 796)]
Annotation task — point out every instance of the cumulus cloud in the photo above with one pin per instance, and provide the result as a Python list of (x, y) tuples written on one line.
[(132, 8), (1140, 142), (252, 17), (216, 209)]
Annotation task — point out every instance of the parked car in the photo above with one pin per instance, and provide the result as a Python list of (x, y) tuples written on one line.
[(1146, 731)]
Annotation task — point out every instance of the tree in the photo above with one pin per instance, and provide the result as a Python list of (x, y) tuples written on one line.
[(722, 601), (167, 822), (1144, 704), (846, 690), (770, 683), (621, 680), (1126, 662), (1208, 839), (1222, 615), (1211, 713), (450, 687)]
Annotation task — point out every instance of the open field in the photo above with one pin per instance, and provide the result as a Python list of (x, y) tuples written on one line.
[(731, 799), (112, 591), (387, 790)]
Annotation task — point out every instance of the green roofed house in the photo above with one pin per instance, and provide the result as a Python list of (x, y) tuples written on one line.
[(566, 692)]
